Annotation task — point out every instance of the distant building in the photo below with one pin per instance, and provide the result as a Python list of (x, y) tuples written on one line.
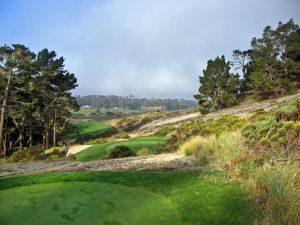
[(157, 107), (87, 107)]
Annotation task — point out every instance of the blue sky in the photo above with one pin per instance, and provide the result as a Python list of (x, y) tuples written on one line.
[(147, 48)]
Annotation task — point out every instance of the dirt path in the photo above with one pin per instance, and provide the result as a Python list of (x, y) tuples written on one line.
[(34, 167), (77, 148), (170, 161)]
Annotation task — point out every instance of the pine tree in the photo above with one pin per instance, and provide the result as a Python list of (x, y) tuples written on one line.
[(218, 87), (274, 66)]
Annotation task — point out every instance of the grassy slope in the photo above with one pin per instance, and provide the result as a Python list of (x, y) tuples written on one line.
[(99, 151), (133, 198), (88, 127)]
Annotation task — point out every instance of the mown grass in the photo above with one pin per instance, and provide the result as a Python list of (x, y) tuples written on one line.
[(126, 198), (87, 128), (99, 151)]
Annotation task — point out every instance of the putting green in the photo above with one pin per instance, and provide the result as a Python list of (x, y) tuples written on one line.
[(99, 151), (89, 203)]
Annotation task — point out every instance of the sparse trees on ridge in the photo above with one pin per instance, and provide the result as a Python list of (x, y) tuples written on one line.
[(269, 69)]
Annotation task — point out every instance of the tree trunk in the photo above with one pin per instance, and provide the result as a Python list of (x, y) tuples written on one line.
[(46, 133), (46, 126), (54, 129), (30, 133), (4, 144), (3, 110)]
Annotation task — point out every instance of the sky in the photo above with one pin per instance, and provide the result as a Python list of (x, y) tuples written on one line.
[(145, 48)]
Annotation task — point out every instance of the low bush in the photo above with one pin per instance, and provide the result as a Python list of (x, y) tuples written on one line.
[(97, 141), (56, 154), (120, 151), (269, 134), (289, 112), (24, 155), (122, 135), (164, 131), (217, 126), (172, 145), (144, 152)]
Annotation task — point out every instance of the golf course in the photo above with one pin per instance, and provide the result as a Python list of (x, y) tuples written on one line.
[(143, 112)]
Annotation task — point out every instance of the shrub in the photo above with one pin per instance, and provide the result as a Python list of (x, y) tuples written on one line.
[(144, 152), (122, 135), (24, 155), (217, 126), (71, 157), (281, 187), (97, 141), (120, 151), (55, 154), (172, 145), (274, 136), (164, 131), (289, 112)]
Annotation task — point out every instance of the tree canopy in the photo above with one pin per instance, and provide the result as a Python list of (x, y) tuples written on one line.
[(219, 87), (270, 68), (35, 97)]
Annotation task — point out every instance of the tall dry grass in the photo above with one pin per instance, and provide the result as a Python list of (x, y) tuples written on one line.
[(275, 187), (281, 186)]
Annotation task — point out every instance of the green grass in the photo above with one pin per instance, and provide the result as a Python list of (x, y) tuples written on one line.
[(87, 128), (123, 198), (99, 151)]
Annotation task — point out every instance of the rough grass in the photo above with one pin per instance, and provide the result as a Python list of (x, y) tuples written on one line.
[(99, 151), (127, 198), (276, 186), (281, 185), (87, 128)]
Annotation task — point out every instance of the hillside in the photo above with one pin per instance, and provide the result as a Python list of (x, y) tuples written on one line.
[(244, 108)]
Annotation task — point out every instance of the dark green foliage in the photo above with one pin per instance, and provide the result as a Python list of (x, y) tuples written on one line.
[(274, 66), (218, 87), (120, 151), (37, 99)]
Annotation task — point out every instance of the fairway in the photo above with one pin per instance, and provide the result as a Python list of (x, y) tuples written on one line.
[(87, 128), (99, 151), (123, 198)]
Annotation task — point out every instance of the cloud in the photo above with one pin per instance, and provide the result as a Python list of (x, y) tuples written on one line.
[(152, 48)]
